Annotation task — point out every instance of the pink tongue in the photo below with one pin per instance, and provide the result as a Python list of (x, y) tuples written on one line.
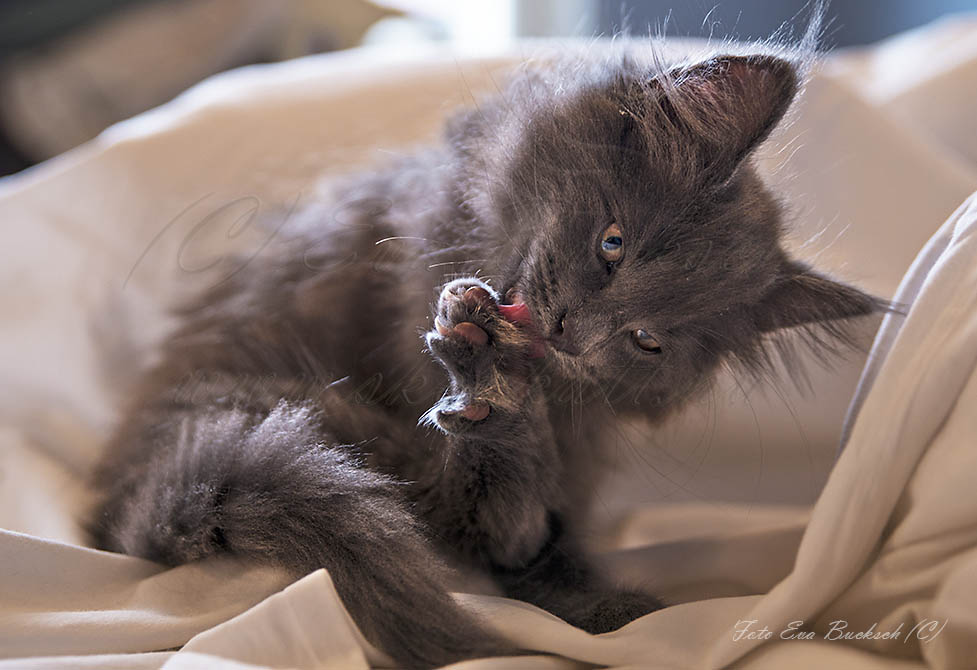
[(519, 315)]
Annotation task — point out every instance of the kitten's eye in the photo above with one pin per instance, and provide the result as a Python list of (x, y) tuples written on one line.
[(611, 244), (646, 341)]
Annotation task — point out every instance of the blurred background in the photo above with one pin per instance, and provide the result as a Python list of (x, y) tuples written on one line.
[(70, 68)]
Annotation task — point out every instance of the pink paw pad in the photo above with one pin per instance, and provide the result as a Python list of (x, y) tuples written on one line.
[(474, 298), (475, 412), (466, 330)]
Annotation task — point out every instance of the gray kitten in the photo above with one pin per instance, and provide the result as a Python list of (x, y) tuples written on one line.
[(626, 249)]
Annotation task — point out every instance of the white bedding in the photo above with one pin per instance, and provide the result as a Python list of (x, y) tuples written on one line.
[(882, 150)]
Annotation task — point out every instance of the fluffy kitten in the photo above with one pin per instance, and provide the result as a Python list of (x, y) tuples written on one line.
[(626, 249)]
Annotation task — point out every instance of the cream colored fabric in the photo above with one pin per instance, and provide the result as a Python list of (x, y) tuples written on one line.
[(708, 510)]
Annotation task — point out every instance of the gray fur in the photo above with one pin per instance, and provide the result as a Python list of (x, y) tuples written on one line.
[(299, 418)]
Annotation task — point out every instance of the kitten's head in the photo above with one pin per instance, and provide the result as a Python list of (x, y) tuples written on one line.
[(635, 227)]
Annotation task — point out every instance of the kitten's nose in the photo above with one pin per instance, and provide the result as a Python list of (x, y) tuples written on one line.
[(561, 335)]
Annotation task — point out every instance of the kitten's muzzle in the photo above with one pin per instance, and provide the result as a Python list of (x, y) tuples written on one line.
[(561, 335)]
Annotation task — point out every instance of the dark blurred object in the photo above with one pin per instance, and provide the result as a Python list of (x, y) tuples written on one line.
[(70, 68), (27, 23), (848, 23)]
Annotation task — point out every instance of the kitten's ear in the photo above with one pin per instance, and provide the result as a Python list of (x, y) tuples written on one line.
[(728, 104), (803, 297)]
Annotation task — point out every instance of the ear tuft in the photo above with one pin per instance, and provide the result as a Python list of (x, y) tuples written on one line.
[(728, 104), (804, 297)]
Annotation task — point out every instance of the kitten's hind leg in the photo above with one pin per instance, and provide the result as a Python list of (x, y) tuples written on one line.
[(489, 500), (274, 489), (495, 496)]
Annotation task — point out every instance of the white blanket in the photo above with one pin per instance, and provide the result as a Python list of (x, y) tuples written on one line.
[(98, 242)]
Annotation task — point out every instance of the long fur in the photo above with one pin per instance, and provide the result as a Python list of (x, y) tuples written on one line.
[(298, 418)]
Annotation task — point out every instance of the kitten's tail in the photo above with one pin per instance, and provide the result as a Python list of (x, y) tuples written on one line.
[(269, 490)]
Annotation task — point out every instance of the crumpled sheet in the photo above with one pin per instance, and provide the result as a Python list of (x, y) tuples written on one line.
[(98, 242)]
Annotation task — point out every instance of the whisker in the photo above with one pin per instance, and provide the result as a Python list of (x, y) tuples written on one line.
[(470, 260)]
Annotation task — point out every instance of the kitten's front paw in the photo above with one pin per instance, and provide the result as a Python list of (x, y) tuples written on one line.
[(486, 356), (466, 335)]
